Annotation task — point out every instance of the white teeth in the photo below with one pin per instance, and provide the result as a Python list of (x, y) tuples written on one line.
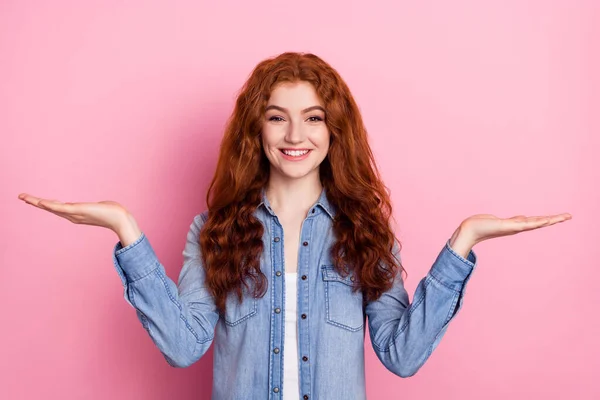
[(295, 153)]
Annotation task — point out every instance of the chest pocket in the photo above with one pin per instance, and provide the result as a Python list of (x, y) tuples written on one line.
[(343, 307), (236, 312)]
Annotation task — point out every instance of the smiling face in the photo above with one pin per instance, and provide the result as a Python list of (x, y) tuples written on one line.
[(294, 134)]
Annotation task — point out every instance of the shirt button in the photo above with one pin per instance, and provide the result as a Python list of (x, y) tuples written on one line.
[(304, 358), (305, 397), (276, 239), (278, 273), (352, 278), (276, 389), (277, 310), (276, 350), (305, 243), (303, 277), (303, 316)]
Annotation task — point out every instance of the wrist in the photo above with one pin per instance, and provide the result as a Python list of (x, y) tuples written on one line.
[(127, 230), (462, 241)]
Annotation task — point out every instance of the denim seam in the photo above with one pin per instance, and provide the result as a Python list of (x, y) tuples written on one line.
[(143, 318), (448, 318), (156, 265), (462, 259), (160, 276), (332, 322), (306, 366), (272, 316), (403, 327), (452, 307), (130, 246), (329, 320), (443, 284), (245, 317)]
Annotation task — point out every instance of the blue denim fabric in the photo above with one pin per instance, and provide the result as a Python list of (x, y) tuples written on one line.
[(183, 322)]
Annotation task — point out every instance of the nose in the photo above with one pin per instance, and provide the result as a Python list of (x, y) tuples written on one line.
[(295, 133)]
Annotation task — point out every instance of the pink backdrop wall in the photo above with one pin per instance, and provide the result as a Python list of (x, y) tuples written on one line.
[(472, 107)]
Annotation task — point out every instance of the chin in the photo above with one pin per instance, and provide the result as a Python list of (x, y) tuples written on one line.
[(290, 173), (295, 175)]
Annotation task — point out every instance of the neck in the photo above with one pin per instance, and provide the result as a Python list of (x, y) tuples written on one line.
[(292, 196)]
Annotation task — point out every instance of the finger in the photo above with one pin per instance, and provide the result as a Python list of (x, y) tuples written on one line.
[(521, 223), (34, 201), (57, 206), (63, 215), (563, 216), (539, 222), (553, 219)]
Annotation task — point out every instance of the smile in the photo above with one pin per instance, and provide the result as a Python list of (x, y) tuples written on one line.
[(294, 153)]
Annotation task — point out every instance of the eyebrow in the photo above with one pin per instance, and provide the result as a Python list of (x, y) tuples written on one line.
[(285, 110)]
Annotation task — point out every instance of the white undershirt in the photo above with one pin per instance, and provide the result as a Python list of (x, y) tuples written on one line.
[(291, 390)]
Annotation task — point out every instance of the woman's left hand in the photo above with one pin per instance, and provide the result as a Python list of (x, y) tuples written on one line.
[(480, 227)]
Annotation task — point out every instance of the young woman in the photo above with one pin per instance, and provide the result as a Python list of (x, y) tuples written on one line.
[(295, 254)]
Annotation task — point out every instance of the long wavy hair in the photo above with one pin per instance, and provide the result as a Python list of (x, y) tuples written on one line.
[(231, 238)]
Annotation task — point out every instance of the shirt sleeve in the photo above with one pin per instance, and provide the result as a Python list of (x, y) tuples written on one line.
[(180, 318), (404, 334)]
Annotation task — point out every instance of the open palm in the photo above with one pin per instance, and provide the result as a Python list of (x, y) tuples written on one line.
[(486, 226), (107, 214)]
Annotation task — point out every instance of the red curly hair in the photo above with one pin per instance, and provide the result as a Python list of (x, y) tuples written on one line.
[(231, 238)]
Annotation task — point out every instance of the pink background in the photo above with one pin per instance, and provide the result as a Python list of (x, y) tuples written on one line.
[(472, 107)]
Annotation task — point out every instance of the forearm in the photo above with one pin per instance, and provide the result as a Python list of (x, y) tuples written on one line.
[(403, 345), (179, 318), (182, 333), (404, 334)]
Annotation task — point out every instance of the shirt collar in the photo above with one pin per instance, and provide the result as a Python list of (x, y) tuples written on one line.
[(322, 201)]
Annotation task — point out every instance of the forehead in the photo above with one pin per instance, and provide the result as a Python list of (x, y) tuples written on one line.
[(294, 95)]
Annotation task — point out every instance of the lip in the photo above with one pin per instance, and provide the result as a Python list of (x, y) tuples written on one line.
[(292, 149), (291, 158)]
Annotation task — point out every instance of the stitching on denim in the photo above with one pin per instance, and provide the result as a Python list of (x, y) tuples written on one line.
[(199, 341), (272, 286), (443, 284), (452, 307), (161, 277), (245, 317), (156, 265), (143, 318), (412, 308), (334, 276), (461, 258), (446, 322), (130, 246), (329, 320), (307, 369)]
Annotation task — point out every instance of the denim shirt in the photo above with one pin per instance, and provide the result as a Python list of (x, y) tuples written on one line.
[(183, 322)]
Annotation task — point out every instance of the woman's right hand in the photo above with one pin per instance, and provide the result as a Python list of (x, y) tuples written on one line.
[(107, 214)]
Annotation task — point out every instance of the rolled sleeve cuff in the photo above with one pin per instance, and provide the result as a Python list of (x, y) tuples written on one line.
[(134, 261), (452, 269)]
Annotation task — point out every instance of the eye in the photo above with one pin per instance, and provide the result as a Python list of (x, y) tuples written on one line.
[(276, 118), (315, 119)]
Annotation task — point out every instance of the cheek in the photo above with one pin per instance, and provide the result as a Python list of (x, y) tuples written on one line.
[(323, 139), (270, 136)]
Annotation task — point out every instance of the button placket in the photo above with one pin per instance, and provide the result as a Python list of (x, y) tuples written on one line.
[(277, 262), (304, 268)]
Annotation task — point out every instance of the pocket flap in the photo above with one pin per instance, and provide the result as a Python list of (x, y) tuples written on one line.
[(330, 274)]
